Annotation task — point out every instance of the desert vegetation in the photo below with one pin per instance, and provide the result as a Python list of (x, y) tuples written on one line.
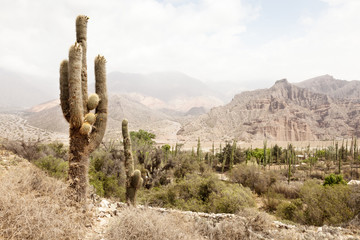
[(314, 194), (289, 185)]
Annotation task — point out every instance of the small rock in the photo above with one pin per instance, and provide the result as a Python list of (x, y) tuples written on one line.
[(104, 203)]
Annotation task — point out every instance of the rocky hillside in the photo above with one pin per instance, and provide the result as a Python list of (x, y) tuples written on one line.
[(284, 112), (327, 84)]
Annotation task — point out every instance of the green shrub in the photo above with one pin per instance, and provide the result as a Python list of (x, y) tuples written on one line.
[(199, 193), (231, 199), (106, 175), (186, 165), (325, 204), (55, 167), (286, 210), (272, 200), (333, 179)]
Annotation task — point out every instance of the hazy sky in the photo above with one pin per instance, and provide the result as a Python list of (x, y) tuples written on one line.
[(257, 41)]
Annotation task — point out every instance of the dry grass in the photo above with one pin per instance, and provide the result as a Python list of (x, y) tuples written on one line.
[(148, 224), (34, 206), (290, 191), (137, 224)]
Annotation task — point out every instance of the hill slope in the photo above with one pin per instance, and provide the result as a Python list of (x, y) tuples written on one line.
[(49, 116)]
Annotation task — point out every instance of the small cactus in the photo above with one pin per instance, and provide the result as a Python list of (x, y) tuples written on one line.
[(93, 101), (85, 129), (90, 118), (133, 178)]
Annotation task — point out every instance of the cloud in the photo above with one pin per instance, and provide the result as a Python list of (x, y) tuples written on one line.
[(329, 45), (202, 38), (134, 35)]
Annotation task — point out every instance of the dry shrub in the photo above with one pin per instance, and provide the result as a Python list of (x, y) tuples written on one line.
[(317, 175), (28, 150), (254, 177), (271, 200), (146, 224), (247, 224), (290, 191), (224, 230), (355, 198), (351, 173), (34, 206), (150, 224)]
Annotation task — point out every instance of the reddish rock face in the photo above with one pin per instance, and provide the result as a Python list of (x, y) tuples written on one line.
[(283, 112)]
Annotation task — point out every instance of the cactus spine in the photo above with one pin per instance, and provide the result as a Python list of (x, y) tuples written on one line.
[(133, 178), (85, 134)]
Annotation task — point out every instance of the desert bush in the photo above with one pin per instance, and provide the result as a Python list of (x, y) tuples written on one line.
[(55, 167), (55, 149), (107, 174), (28, 150), (254, 177), (271, 200), (288, 210), (223, 230), (325, 204), (351, 173), (34, 206), (199, 193), (33, 150), (137, 224), (355, 198), (290, 191), (185, 165), (150, 224), (317, 175), (333, 179), (230, 199), (245, 225)]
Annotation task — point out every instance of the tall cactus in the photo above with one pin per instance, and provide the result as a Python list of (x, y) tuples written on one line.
[(133, 178), (86, 129)]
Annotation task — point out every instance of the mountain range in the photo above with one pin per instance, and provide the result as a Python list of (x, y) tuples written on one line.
[(177, 107), (284, 112)]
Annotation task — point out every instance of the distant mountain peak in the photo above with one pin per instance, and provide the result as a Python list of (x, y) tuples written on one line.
[(282, 81), (327, 84)]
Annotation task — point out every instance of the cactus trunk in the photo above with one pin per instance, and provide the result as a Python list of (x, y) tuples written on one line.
[(133, 178), (85, 134)]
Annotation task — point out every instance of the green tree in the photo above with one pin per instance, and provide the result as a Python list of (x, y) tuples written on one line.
[(142, 137)]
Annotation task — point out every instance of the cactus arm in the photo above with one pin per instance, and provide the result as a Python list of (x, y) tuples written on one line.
[(64, 89), (81, 38), (133, 178), (75, 99), (101, 110), (129, 161)]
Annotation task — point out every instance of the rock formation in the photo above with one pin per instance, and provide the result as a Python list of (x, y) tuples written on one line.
[(283, 112)]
